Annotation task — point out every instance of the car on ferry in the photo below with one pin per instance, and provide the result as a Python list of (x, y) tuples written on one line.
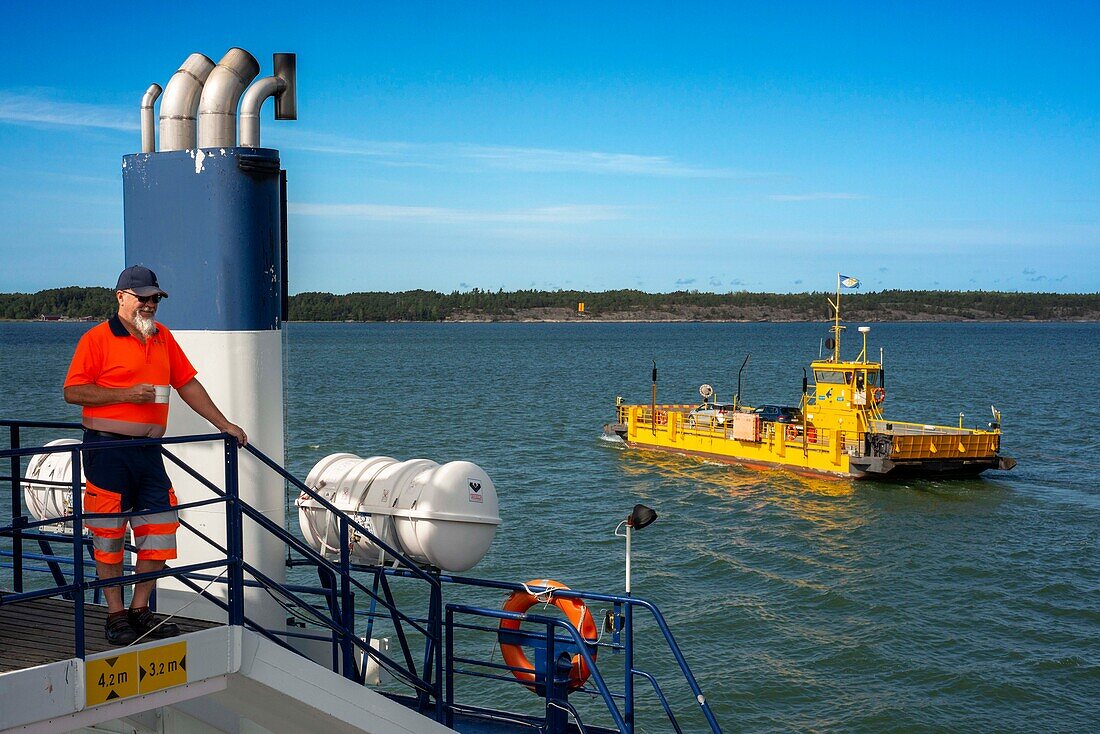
[(778, 414), (709, 414)]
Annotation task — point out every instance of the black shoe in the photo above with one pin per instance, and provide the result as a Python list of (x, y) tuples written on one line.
[(118, 630), (148, 625)]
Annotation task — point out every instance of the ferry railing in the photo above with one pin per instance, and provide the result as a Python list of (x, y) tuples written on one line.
[(548, 678), (339, 586), (336, 615), (620, 701), (903, 428)]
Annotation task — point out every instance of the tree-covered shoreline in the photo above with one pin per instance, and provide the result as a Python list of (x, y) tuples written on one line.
[(619, 305)]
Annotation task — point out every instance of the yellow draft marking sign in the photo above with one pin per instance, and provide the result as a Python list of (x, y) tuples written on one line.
[(162, 667), (109, 678), (133, 673)]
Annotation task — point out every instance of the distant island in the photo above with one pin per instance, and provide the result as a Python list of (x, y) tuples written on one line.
[(75, 303)]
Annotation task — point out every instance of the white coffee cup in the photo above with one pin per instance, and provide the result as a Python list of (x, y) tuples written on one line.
[(162, 393)]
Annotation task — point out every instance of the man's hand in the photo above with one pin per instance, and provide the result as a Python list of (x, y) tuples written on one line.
[(143, 393), (238, 433)]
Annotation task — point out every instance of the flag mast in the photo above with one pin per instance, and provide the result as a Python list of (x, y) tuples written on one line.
[(842, 281), (836, 324), (836, 320)]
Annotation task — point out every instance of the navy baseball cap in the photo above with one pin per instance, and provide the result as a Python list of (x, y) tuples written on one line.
[(140, 280)]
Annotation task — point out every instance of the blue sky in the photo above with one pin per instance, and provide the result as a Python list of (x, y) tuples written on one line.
[(658, 146)]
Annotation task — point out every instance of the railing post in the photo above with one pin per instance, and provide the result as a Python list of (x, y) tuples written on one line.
[(436, 626), (234, 542), (448, 711), (16, 513), (78, 553), (555, 714), (628, 661), (347, 601)]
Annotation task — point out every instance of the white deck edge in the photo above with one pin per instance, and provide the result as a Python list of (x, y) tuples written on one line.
[(236, 669)]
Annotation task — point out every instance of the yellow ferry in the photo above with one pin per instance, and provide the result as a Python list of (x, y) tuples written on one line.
[(838, 427)]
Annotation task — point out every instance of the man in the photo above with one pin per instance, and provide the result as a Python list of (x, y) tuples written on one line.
[(114, 375)]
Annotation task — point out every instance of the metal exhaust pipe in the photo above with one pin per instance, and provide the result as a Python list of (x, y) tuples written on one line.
[(148, 128), (283, 86), (181, 102), (220, 95)]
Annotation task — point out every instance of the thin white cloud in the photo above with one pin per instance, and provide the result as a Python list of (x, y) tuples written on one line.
[(62, 176), (586, 161), (818, 196), (541, 160), (568, 214), (41, 107)]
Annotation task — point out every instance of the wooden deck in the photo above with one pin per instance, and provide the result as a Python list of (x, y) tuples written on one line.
[(41, 631)]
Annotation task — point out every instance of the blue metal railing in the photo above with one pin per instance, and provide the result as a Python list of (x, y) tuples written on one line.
[(622, 609), (330, 608), (338, 588), (622, 642)]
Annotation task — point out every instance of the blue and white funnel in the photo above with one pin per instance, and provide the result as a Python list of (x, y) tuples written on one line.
[(211, 222)]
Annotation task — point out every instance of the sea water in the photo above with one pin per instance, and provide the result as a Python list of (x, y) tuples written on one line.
[(801, 604)]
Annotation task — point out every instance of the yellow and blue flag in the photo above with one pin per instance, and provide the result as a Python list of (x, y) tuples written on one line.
[(849, 282)]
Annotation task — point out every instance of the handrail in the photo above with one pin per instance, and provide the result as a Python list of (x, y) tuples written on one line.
[(553, 684), (628, 602), (341, 624), (927, 429), (335, 613)]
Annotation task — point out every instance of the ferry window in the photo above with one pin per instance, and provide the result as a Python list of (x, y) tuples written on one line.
[(859, 380), (828, 376), (872, 378)]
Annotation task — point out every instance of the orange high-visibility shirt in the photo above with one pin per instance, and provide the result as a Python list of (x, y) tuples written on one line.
[(109, 356)]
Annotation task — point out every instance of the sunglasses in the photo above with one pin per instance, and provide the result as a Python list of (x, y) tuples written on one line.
[(144, 299)]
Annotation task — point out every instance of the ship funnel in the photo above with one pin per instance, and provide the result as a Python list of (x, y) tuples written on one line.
[(220, 95), (281, 85), (180, 103), (213, 223)]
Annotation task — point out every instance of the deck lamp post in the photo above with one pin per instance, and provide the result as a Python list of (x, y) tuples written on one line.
[(640, 517)]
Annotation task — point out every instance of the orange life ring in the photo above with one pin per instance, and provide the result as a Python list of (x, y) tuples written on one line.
[(879, 394), (575, 610), (792, 432), (811, 434)]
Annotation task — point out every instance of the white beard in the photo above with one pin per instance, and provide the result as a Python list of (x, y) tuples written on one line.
[(145, 325)]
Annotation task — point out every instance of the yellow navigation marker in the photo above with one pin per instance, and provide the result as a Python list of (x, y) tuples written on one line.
[(109, 678), (580, 307), (133, 673), (162, 667)]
